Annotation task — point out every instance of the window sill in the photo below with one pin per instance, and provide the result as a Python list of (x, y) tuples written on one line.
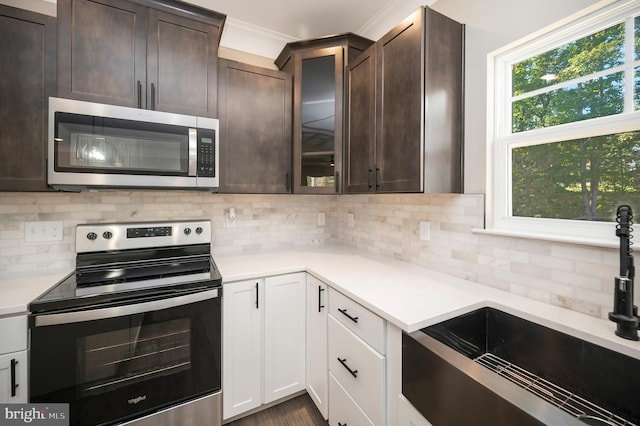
[(587, 241)]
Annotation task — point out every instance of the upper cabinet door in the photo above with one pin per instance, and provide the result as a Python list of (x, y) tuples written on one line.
[(317, 129), (255, 128), (360, 132), (102, 51), (27, 79), (400, 113), (318, 68), (119, 52), (181, 65)]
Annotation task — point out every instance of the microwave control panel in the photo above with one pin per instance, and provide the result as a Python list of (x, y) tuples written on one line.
[(206, 153)]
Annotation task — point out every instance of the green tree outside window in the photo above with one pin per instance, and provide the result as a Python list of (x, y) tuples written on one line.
[(581, 179)]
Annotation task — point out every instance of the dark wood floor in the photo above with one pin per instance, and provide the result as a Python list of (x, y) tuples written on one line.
[(299, 411)]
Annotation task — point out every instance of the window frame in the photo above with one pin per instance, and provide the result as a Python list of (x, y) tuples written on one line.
[(500, 138)]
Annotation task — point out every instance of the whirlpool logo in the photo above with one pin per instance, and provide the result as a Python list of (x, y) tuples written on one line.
[(37, 414), (134, 401)]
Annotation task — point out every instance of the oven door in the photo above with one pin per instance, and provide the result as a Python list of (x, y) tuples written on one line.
[(121, 362)]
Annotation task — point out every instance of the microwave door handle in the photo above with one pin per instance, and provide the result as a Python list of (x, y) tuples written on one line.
[(124, 310), (193, 152)]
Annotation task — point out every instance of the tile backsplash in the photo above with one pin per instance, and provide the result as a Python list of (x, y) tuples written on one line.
[(262, 221), (573, 276)]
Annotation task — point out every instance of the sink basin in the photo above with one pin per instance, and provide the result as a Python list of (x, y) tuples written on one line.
[(522, 372)]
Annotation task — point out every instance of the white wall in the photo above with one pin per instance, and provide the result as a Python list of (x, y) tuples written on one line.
[(46, 7), (491, 24)]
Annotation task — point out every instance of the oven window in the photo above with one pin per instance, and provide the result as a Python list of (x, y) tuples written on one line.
[(120, 367), (142, 352), (107, 145)]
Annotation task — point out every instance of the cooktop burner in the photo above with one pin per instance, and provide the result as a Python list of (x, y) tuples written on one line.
[(116, 262)]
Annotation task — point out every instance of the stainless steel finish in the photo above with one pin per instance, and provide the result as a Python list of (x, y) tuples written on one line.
[(113, 111), (561, 398), (116, 311), (118, 240), (202, 411), (489, 382), (193, 151), (74, 181)]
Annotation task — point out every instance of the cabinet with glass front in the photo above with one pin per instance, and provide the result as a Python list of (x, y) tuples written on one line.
[(318, 68)]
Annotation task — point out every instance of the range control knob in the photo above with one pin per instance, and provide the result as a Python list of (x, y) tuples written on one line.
[(199, 230), (187, 231), (92, 236), (107, 235)]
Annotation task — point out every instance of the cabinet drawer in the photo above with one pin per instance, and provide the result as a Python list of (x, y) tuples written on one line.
[(344, 410), (358, 319), (14, 334), (358, 368)]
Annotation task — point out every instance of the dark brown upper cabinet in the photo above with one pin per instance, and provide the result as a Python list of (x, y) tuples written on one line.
[(153, 54), (27, 79), (318, 68), (411, 86), (255, 128)]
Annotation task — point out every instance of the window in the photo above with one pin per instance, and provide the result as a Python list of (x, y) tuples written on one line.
[(564, 128)]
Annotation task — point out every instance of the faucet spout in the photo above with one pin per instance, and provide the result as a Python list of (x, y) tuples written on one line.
[(625, 313)]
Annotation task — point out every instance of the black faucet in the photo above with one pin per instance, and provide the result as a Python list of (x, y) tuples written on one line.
[(625, 313)]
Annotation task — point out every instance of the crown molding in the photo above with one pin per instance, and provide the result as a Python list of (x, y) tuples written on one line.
[(253, 39), (389, 15)]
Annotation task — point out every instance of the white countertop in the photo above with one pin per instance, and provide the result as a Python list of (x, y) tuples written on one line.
[(406, 295), (17, 293), (412, 297)]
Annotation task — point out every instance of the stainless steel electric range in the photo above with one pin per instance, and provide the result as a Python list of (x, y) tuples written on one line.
[(133, 335)]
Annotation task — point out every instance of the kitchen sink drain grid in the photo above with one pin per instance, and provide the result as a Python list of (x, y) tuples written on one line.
[(561, 398)]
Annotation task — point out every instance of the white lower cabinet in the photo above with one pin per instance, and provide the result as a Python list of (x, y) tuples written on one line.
[(263, 337), (357, 367), (14, 385), (284, 335), (317, 351)]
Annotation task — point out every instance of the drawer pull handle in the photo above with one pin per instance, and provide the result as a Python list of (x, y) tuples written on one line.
[(343, 361), (344, 312), (14, 385)]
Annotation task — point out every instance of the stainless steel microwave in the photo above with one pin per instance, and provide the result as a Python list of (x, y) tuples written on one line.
[(94, 145)]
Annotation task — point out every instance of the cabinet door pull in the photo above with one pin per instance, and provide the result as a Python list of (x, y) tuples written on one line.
[(344, 312), (139, 94), (257, 297), (343, 361), (320, 305), (14, 385), (377, 177), (337, 182), (153, 96), (369, 180), (287, 182)]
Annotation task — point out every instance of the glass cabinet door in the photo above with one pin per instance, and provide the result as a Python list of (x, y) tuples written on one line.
[(318, 132)]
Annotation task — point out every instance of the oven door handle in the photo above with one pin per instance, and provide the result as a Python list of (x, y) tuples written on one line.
[(123, 310)]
